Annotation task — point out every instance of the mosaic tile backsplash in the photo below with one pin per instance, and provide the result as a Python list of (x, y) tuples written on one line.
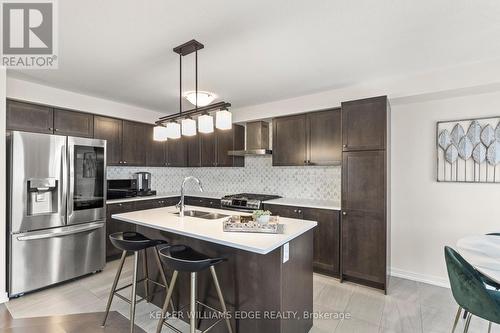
[(258, 176)]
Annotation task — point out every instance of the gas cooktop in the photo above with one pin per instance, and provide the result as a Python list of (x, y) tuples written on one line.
[(246, 201)]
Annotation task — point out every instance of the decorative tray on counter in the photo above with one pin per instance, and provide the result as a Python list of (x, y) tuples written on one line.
[(237, 223)]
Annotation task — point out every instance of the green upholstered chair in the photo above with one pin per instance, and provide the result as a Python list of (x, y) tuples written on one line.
[(470, 291)]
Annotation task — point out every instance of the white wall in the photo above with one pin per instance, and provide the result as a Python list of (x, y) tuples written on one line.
[(3, 291), (37, 93), (475, 77), (427, 215)]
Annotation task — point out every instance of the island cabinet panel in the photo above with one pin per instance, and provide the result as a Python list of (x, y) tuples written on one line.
[(326, 235), (250, 283), (308, 139), (29, 117), (113, 226), (364, 124), (177, 152), (67, 122), (110, 129), (133, 143), (324, 145), (156, 151), (289, 141)]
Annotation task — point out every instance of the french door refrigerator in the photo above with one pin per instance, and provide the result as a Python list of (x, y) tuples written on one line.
[(56, 209)]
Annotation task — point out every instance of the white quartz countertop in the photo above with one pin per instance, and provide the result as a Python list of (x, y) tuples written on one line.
[(311, 203), (211, 230), (162, 195)]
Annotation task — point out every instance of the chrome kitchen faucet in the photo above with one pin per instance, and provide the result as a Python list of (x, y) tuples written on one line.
[(180, 205)]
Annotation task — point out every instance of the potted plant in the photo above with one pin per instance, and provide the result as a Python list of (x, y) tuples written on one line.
[(261, 216)]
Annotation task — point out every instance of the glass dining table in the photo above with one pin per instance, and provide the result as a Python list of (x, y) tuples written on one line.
[(482, 252)]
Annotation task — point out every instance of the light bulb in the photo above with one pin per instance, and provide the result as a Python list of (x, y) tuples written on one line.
[(205, 124), (223, 120), (188, 127), (173, 130), (160, 133)]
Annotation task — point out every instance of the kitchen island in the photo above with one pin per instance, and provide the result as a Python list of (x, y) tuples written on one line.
[(267, 281)]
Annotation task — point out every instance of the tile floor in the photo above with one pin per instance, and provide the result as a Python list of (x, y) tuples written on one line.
[(409, 306)]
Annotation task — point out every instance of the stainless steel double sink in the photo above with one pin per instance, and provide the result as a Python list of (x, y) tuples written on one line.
[(203, 215)]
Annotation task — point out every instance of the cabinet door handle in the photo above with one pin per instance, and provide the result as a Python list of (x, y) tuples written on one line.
[(299, 211), (344, 213), (124, 162), (345, 146), (51, 129)]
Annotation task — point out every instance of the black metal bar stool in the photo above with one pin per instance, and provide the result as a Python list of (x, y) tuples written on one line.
[(184, 259), (135, 242)]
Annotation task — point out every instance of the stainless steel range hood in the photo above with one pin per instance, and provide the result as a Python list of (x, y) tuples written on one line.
[(257, 142)]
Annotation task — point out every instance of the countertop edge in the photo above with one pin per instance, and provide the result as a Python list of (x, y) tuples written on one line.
[(217, 241)]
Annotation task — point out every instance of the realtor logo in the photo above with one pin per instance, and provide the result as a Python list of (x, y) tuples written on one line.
[(29, 34)]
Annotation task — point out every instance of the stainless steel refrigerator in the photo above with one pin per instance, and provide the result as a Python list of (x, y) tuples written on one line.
[(56, 209)]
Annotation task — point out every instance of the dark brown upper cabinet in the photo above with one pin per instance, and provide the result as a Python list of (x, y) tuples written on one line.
[(308, 139), (193, 150), (364, 181), (156, 151), (324, 138), (364, 124), (207, 149), (177, 152), (133, 143), (73, 123), (110, 129), (29, 117), (290, 140), (214, 147)]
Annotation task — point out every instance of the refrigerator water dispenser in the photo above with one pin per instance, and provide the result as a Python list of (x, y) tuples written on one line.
[(42, 196)]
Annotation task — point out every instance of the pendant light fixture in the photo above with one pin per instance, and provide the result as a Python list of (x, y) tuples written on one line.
[(173, 130), (188, 127), (200, 99), (205, 123), (160, 133), (223, 119)]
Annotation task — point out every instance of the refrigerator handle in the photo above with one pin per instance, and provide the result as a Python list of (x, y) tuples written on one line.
[(70, 177), (64, 186), (72, 231)]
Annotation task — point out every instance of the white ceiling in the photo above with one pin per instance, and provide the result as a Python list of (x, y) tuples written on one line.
[(259, 51)]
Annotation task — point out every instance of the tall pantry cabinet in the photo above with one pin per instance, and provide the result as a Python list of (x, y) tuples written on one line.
[(364, 218)]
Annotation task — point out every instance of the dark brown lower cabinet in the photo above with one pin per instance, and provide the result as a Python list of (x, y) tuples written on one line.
[(364, 248), (113, 226), (326, 258), (202, 202)]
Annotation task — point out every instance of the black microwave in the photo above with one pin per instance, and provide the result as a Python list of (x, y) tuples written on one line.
[(122, 188)]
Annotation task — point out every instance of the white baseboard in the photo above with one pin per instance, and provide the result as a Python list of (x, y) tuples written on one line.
[(4, 298), (430, 279)]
